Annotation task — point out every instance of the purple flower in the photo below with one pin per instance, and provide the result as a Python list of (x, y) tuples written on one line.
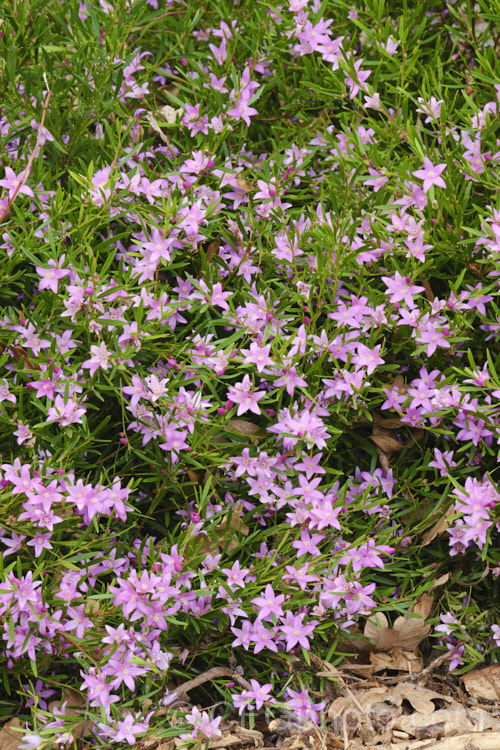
[(430, 174), (15, 184)]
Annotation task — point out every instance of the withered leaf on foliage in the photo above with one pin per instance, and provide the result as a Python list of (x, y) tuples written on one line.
[(244, 185), (76, 706), (10, 738), (212, 250), (441, 580), (483, 683), (171, 88), (406, 633), (222, 536), (392, 423), (439, 528), (363, 701), (428, 291), (21, 356), (234, 523), (168, 114), (423, 605), (384, 440), (154, 125), (243, 427)]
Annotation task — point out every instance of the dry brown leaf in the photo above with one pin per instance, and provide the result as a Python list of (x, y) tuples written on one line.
[(384, 440), (402, 661), (439, 528), (423, 606), (171, 88), (224, 530), (483, 683), (212, 250), (281, 726), (168, 114), (440, 581), (250, 735), (243, 427), (454, 720), (152, 741), (236, 735), (21, 356), (235, 524), (468, 741), (368, 698), (393, 423), (225, 741), (244, 185), (76, 705), (406, 633), (422, 699), (9, 738), (154, 125), (329, 671), (428, 291), (337, 707)]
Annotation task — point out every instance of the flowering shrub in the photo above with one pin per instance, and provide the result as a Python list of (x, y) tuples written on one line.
[(249, 347)]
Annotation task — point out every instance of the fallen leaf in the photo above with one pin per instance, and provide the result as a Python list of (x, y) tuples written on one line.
[(243, 427), (406, 633), (222, 536), (439, 527), (337, 707), (422, 699), (237, 735), (235, 524), (483, 683), (428, 291), (423, 605), (76, 705), (9, 738), (212, 250), (440, 581), (468, 741), (392, 423), (244, 185), (168, 114), (171, 88), (21, 356), (454, 720), (384, 440), (397, 659)]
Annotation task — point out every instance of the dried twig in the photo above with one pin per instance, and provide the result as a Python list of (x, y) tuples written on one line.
[(211, 674), (30, 160)]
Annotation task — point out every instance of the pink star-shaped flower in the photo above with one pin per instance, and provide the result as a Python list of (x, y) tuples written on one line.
[(430, 174)]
